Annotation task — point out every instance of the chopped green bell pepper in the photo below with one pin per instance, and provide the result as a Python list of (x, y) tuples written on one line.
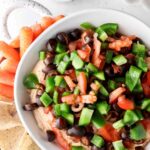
[(97, 140), (138, 132), (87, 25), (110, 28), (66, 93), (99, 75), (55, 97), (118, 145), (91, 68), (119, 124), (140, 62), (109, 56), (62, 67), (58, 80), (57, 110), (77, 148), (85, 117), (64, 108), (46, 99), (58, 58), (50, 84), (132, 77), (69, 117), (60, 48), (138, 87), (119, 60), (104, 45), (76, 90), (112, 84), (42, 55), (103, 107), (102, 35), (30, 81), (146, 104)]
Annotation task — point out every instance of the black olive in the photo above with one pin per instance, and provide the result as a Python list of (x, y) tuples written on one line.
[(48, 68), (97, 148), (139, 148), (48, 60), (61, 123), (30, 107), (75, 34), (40, 86), (76, 131), (148, 53), (124, 135), (38, 101), (51, 45), (109, 71), (139, 96), (137, 39), (51, 135), (116, 108), (124, 50), (62, 37)]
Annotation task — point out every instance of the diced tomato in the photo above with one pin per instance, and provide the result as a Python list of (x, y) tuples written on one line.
[(9, 65), (69, 99), (115, 94), (75, 45), (8, 52), (7, 91), (82, 82), (116, 68), (69, 82), (7, 78), (71, 73), (47, 109), (125, 103), (82, 54), (146, 124), (60, 140), (109, 133)]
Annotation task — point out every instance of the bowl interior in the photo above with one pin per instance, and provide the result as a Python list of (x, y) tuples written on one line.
[(128, 25)]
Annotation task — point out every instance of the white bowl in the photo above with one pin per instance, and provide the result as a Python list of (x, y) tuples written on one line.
[(128, 25)]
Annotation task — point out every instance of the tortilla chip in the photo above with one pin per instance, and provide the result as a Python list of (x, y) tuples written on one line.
[(10, 138), (8, 117), (27, 143)]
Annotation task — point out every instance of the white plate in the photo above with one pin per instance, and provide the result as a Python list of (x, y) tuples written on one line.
[(128, 25)]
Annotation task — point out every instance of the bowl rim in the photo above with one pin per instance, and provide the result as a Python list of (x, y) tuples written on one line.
[(36, 42)]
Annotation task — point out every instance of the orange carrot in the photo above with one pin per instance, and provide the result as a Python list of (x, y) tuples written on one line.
[(82, 82), (26, 38), (6, 91), (7, 78), (37, 30), (8, 52), (69, 82), (15, 43), (69, 99), (57, 18), (9, 65), (46, 22)]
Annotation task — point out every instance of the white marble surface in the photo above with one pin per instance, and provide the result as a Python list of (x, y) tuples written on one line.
[(29, 12)]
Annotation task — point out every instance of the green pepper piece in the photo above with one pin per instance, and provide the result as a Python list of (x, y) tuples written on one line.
[(46, 99), (76, 90), (77, 62), (130, 117), (118, 124), (118, 145), (69, 117), (140, 62), (120, 79), (102, 90), (42, 55), (139, 49), (103, 107), (98, 120), (62, 67), (50, 84), (58, 58), (146, 104), (66, 58), (63, 84), (77, 148), (58, 80), (60, 48), (98, 141), (66, 93), (91, 68), (139, 114), (138, 87), (55, 97), (119, 60), (87, 25), (30, 81), (64, 108), (132, 77), (102, 35), (112, 84), (110, 28), (109, 56), (138, 132), (57, 110), (99, 75), (85, 117)]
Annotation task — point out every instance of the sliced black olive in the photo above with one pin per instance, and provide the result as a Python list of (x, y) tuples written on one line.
[(51, 45), (61, 123), (30, 107), (38, 101), (112, 116), (148, 53), (48, 68), (139, 148), (51, 135), (75, 34), (76, 131), (125, 50), (97, 148), (62, 37), (124, 135), (109, 71), (137, 39), (116, 108), (48, 60)]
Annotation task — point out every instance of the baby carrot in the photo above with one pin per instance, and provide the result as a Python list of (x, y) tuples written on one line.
[(15, 43), (37, 30), (57, 18)]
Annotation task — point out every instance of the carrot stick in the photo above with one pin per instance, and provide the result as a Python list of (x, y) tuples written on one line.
[(8, 52), (57, 18), (37, 30), (46, 22), (15, 43), (7, 91), (26, 38), (7, 78), (9, 65)]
